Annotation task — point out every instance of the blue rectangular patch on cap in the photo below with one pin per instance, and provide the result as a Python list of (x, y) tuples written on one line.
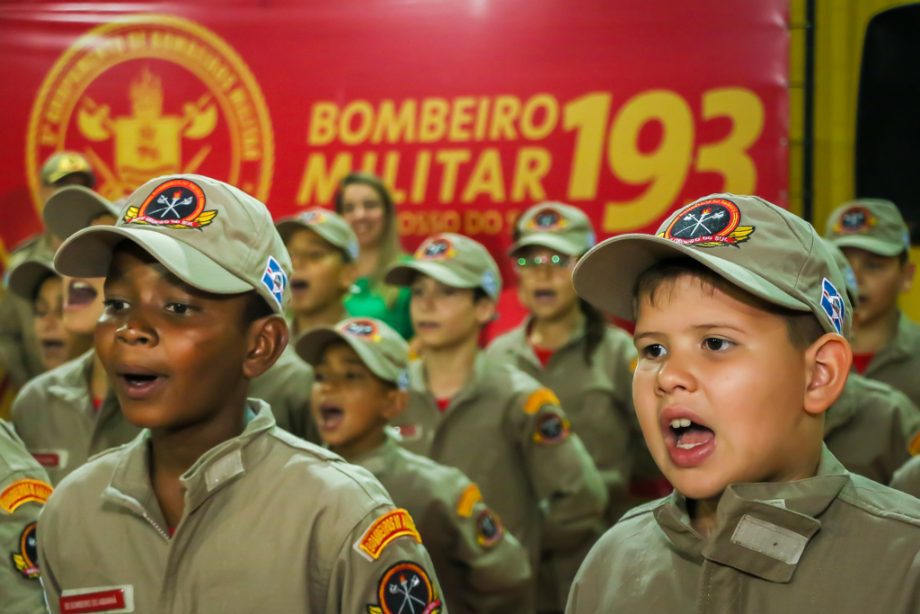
[(832, 304), (275, 280)]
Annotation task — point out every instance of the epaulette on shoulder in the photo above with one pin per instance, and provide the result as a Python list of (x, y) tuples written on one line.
[(881, 501), (645, 508), (305, 446)]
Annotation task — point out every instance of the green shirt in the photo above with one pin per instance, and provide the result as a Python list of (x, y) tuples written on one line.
[(366, 301)]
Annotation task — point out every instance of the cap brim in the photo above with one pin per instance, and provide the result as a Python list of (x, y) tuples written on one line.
[(870, 244), (26, 278), (404, 274), (606, 276), (311, 345), (88, 253), (73, 208), (551, 241)]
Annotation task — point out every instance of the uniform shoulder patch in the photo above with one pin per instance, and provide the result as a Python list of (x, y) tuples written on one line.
[(468, 499), (25, 561), (551, 428), (489, 528), (913, 448), (24, 491), (391, 525), (538, 399), (405, 587)]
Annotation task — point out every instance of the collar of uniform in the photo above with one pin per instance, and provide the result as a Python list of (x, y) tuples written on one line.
[(130, 485), (378, 460), (226, 461), (522, 346), (843, 409), (761, 528), (73, 385), (418, 380)]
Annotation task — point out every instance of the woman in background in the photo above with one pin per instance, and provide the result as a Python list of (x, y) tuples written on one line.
[(364, 201)]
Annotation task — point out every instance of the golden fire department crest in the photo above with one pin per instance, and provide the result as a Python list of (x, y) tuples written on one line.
[(151, 95)]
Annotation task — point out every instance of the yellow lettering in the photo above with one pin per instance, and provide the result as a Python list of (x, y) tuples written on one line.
[(394, 127), (530, 168), (363, 112), (507, 109), (450, 159), (546, 104), (460, 119), (486, 178), (433, 120), (319, 182), (321, 129)]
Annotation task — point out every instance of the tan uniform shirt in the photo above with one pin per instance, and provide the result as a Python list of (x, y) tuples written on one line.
[(898, 363), (597, 398), (509, 435), (55, 417), (482, 567), (24, 488), (286, 386), (836, 542), (271, 524), (870, 428), (907, 478), (19, 354)]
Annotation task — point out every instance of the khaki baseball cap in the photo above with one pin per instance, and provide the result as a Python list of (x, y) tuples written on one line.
[(209, 234), (755, 245), (327, 224), (872, 224), (453, 259), (27, 277), (381, 348), (65, 163), (557, 226), (73, 208)]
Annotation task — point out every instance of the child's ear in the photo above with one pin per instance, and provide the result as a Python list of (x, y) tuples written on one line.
[(396, 403), (485, 310), (349, 276), (907, 276), (827, 363), (267, 337)]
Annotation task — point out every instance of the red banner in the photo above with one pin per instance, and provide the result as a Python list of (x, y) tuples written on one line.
[(472, 110)]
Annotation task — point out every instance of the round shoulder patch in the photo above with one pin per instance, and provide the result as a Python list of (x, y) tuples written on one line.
[(25, 561), (405, 587), (489, 528), (551, 428), (913, 448)]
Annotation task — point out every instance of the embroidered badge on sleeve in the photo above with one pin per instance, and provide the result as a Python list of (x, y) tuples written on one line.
[(25, 491), (383, 531), (25, 561), (404, 588)]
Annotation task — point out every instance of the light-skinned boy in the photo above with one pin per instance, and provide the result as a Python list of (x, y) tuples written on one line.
[(871, 428), (360, 369), (567, 346), (323, 250), (35, 281), (741, 319), (214, 507), (488, 418), (886, 344), (70, 413)]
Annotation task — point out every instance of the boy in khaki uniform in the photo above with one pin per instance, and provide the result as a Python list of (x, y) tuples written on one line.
[(361, 372), (70, 413), (741, 317), (486, 417), (19, 352), (214, 507), (871, 426), (36, 282), (24, 488), (567, 346), (886, 344), (323, 250)]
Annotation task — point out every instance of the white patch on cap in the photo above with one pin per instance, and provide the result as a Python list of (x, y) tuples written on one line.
[(489, 283), (832, 304), (275, 280)]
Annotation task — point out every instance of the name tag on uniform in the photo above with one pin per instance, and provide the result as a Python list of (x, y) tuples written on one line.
[(53, 459), (111, 599)]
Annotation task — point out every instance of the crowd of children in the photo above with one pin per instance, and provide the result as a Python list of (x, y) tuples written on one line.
[(240, 414)]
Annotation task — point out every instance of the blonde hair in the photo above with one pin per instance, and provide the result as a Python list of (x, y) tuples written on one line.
[(390, 249)]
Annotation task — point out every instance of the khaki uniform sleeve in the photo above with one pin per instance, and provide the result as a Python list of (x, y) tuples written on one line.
[(22, 494), (561, 470), (18, 350), (383, 567), (907, 478), (497, 563)]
